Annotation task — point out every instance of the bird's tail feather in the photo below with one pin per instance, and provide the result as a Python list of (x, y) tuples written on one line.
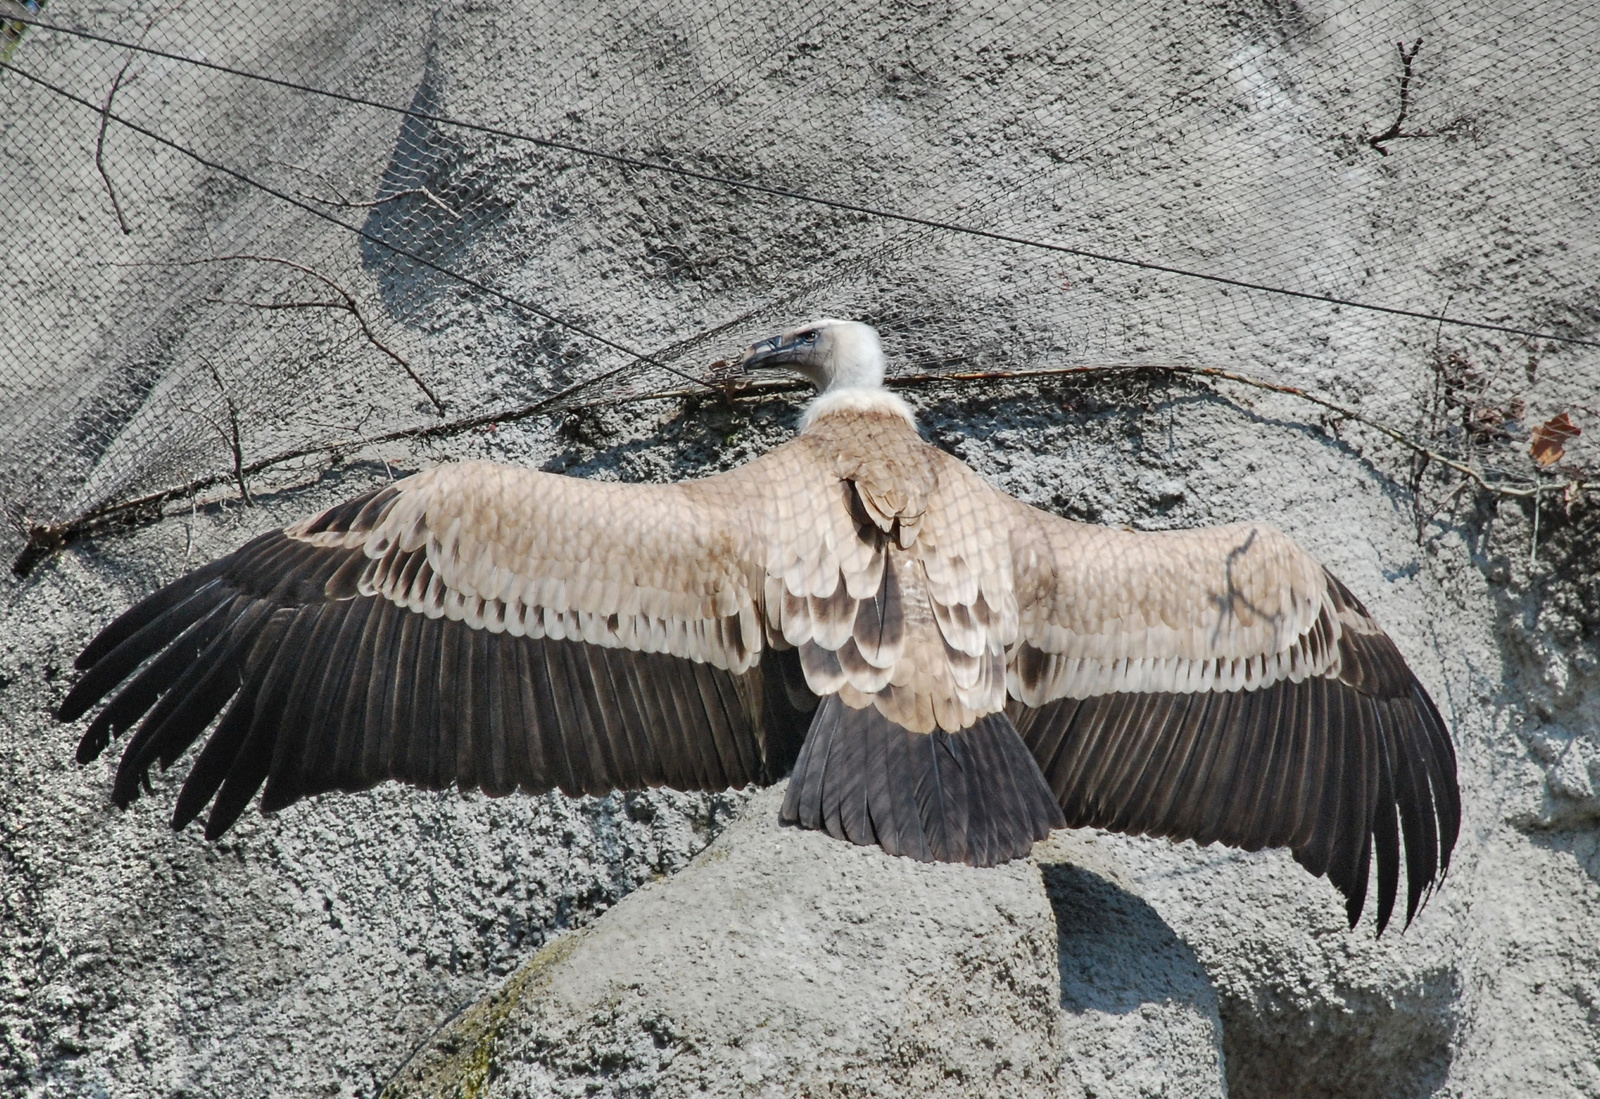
[(975, 796)]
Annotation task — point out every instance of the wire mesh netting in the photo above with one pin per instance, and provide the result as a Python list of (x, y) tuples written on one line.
[(242, 234)]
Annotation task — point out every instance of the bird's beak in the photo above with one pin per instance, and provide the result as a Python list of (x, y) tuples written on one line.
[(785, 350)]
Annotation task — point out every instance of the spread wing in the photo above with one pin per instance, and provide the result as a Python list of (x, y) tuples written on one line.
[(1221, 685), (480, 625)]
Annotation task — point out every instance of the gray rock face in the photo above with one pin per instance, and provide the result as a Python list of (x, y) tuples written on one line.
[(313, 952), (784, 963)]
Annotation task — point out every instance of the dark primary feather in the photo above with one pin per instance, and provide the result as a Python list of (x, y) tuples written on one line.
[(1340, 770), (323, 689)]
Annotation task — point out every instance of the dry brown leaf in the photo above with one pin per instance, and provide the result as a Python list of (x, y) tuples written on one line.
[(1550, 439)]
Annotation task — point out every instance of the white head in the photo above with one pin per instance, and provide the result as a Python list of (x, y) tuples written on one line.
[(831, 354)]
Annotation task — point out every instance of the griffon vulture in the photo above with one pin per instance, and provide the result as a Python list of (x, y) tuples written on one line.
[(945, 671)]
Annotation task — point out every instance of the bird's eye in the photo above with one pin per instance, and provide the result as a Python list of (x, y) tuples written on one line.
[(808, 337)]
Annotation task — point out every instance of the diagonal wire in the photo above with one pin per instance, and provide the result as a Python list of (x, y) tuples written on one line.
[(649, 165), (638, 357)]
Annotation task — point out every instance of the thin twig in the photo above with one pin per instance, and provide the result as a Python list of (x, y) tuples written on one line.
[(1533, 543), (232, 436), (188, 531), (351, 204), (1450, 501), (1430, 417), (344, 200), (117, 83), (347, 303), (100, 144), (269, 305), (1393, 133)]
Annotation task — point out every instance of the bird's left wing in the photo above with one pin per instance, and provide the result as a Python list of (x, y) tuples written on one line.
[(477, 624), (1221, 685)]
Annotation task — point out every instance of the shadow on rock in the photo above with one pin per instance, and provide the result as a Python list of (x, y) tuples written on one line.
[(1392, 1044), (1139, 1015), (1117, 953), (1582, 845)]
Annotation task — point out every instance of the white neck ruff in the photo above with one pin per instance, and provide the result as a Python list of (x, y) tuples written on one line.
[(856, 399)]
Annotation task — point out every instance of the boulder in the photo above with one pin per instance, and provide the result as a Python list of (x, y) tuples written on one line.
[(781, 962)]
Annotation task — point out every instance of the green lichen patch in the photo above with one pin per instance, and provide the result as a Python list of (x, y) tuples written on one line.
[(458, 1062)]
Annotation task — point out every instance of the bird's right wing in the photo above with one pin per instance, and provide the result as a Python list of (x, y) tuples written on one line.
[(1221, 685), (477, 625)]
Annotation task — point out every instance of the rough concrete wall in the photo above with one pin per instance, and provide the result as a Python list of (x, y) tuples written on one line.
[(312, 952)]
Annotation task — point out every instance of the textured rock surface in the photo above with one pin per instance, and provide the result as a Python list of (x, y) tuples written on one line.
[(782, 963), (315, 950)]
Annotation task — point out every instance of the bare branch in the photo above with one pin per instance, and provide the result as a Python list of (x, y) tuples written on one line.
[(44, 538), (1533, 542), (1394, 132), (346, 202), (100, 143), (122, 80), (269, 305), (347, 303), (349, 204), (1499, 488), (231, 437)]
